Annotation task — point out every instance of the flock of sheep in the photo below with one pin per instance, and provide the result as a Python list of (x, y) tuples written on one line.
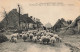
[(44, 37)]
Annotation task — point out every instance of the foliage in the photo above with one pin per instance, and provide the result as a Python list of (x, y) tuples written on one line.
[(3, 38), (69, 22), (1, 26)]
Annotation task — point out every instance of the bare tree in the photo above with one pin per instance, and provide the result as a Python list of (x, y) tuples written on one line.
[(6, 17)]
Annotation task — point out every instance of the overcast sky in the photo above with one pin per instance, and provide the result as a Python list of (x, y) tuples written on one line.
[(46, 10)]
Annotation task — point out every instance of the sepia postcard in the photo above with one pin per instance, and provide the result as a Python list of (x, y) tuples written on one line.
[(39, 25)]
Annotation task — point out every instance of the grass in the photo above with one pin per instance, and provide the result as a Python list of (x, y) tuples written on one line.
[(72, 41)]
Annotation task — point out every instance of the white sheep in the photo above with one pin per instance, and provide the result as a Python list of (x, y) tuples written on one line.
[(31, 36), (42, 34), (13, 38), (15, 34), (24, 36), (27, 34), (38, 37), (45, 39), (20, 35), (58, 39), (51, 34), (52, 40), (56, 36), (38, 33), (34, 38)]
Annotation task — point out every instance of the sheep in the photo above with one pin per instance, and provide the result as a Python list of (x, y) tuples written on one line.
[(34, 33), (38, 33), (24, 37), (14, 35), (55, 35), (35, 38), (42, 34), (52, 40), (13, 38), (38, 37), (45, 39), (27, 34), (48, 36), (41, 40), (51, 34), (31, 36), (58, 39), (20, 35), (48, 33)]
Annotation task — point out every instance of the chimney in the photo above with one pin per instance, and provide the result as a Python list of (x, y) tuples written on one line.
[(31, 17)]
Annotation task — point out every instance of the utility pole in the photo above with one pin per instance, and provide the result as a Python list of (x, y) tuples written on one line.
[(19, 15)]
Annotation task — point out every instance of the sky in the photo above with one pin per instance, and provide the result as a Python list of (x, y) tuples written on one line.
[(48, 11)]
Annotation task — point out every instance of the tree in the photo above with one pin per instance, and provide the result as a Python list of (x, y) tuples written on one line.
[(44, 27), (6, 17), (1, 26), (62, 20), (69, 22)]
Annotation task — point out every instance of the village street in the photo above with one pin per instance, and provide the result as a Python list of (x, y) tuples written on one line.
[(21, 46), (39, 26)]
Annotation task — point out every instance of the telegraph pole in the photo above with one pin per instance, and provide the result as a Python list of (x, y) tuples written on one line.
[(19, 15)]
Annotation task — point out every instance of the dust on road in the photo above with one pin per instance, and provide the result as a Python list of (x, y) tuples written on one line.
[(21, 46)]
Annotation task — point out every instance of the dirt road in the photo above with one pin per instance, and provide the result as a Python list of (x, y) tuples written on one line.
[(21, 46)]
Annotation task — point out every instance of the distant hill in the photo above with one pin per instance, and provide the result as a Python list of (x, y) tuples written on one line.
[(48, 25)]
